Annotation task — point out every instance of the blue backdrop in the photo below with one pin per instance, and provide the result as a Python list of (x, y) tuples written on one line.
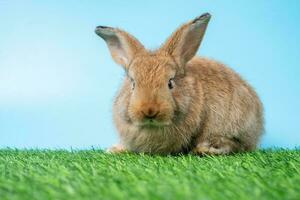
[(57, 80)]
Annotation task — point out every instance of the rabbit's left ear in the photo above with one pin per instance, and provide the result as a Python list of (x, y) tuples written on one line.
[(123, 47), (185, 41)]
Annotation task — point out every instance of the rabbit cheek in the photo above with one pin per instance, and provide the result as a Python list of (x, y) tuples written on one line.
[(134, 113)]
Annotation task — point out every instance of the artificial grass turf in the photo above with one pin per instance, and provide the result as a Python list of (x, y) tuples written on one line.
[(93, 174)]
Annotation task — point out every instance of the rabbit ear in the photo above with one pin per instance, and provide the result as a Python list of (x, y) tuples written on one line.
[(185, 41), (123, 47)]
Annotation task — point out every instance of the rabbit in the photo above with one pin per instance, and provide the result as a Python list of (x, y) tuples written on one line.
[(173, 102)]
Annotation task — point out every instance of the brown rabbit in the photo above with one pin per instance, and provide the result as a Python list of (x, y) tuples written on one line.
[(173, 102)]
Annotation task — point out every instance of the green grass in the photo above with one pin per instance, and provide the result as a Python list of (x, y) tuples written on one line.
[(44, 174)]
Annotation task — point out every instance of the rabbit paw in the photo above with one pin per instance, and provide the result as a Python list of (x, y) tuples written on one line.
[(118, 148), (207, 149)]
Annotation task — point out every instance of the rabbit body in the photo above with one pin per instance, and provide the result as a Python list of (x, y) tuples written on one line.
[(222, 113), (172, 101)]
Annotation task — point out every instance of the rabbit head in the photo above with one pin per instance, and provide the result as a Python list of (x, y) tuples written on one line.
[(155, 79)]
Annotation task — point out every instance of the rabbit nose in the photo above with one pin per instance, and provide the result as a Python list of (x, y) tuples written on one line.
[(150, 113)]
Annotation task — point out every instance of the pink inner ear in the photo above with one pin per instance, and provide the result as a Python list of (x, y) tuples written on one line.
[(119, 55), (185, 41), (123, 47), (117, 48), (190, 41)]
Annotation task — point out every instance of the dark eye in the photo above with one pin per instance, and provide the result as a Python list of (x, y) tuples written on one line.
[(132, 84), (171, 83)]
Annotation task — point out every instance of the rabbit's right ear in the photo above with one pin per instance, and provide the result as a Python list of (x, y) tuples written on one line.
[(123, 47)]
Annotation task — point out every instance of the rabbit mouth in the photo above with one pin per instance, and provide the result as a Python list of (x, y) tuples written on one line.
[(152, 123)]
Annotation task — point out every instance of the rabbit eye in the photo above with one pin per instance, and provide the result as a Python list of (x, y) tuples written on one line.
[(132, 84), (171, 83)]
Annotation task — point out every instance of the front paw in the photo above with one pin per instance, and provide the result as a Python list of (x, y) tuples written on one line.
[(116, 149), (206, 149)]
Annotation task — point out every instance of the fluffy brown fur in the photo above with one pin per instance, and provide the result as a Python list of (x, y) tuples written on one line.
[(172, 102)]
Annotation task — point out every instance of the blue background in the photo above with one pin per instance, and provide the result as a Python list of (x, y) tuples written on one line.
[(57, 79)]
